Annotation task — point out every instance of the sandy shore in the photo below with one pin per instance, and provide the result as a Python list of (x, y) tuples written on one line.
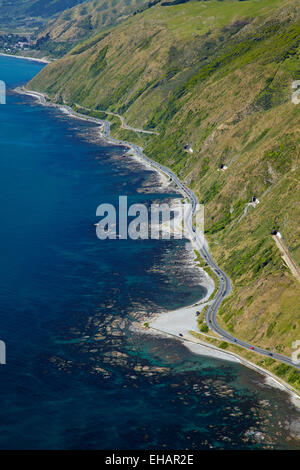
[(44, 60), (170, 324), (184, 319), (163, 181), (179, 323)]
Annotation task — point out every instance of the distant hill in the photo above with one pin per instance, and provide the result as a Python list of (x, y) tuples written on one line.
[(54, 27), (31, 13), (83, 21)]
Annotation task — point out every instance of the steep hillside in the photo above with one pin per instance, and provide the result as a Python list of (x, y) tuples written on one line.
[(218, 76), (82, 21)]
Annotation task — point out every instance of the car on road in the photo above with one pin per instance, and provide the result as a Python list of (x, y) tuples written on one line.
[(180, 334), (252, 347)]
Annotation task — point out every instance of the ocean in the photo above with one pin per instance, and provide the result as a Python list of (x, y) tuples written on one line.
[(79, 375)]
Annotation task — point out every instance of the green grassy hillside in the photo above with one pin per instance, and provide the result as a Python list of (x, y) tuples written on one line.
[(216, 75)]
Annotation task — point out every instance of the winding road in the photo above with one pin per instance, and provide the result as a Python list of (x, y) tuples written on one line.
[(124, 124), (201, 244), (224, 281), (199, 240)]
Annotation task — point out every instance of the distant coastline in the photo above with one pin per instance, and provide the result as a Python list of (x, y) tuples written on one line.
[(44, 60)]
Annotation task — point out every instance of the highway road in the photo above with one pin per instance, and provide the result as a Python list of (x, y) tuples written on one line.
[(224, 288), (124, 124), (224, 282)]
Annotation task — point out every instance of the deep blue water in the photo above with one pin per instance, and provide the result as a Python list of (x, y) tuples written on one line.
[(76, 376)]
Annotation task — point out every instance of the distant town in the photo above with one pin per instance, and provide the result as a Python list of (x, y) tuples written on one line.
[(14, 43)]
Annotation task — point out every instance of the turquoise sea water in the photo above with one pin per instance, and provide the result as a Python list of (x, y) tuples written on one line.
[(77, 376)]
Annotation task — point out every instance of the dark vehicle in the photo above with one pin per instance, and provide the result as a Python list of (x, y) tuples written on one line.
[(180, 334)]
